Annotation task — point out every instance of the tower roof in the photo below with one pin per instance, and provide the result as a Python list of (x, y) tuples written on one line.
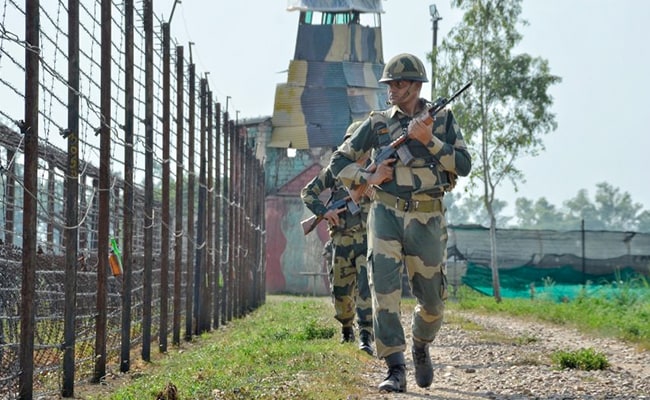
[(366, 6)]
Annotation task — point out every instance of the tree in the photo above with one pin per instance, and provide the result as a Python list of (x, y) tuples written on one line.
[(611, 210), (616, 210), (538, 215), (470, 210), (643, 224), (507, 112), (580, 208), (456, 213)]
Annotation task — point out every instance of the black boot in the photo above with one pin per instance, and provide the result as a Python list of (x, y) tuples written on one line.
[(365, 341), (396, 379), (422, 363), (347, 334)]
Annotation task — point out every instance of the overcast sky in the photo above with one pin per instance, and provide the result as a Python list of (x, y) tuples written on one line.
[(599, 48)]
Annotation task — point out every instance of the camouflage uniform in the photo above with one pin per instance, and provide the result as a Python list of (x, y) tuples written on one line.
[(406, 225), (348, 272)]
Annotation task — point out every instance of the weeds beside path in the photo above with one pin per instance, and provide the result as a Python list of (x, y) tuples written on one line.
[(289, 349)]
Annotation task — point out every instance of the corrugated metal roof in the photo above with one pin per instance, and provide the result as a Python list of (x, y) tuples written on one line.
[(335, 5)]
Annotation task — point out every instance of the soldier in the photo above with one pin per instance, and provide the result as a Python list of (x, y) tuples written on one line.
[(406, 221), (348, 273)]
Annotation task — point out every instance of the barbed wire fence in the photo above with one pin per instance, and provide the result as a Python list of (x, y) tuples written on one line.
[(96, 108)]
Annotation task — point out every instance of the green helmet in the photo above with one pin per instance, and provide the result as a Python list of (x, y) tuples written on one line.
[(404, 67)]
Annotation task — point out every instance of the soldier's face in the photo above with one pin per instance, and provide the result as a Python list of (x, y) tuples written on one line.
[(402, 92)]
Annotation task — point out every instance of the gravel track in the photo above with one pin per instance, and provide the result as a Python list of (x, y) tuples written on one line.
[(507, 358)]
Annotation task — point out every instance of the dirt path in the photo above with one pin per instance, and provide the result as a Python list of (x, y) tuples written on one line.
[(509, 358)]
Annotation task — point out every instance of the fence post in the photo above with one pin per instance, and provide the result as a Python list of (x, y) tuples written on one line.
[(199, 266), (225, 269), (178, 233), (29, 128), (164, 226), (72, 202), (148, 185), (209, 265), (191, 244), (104, 195), (218, 219), (128, 214)]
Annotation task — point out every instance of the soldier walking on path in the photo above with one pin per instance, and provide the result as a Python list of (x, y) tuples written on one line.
[(348, 272), (406, 221)]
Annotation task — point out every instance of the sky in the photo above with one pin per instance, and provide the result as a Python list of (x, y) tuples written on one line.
[(598, 47)]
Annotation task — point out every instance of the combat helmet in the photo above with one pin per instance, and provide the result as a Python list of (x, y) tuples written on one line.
[(404, 67)]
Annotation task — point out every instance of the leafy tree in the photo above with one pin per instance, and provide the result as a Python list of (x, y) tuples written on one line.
[(616, 210), (538, 215), (581, 208), (643, 222), (478, 214), (456, 213), (470, 210), (524, 213), (611, 210), (507, 112)]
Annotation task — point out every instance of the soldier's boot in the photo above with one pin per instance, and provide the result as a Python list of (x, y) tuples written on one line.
[(347, 334), (365, 341), (422, 363), (396, 379)]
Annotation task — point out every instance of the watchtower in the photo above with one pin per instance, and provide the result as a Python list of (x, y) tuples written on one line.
[(332, 79)]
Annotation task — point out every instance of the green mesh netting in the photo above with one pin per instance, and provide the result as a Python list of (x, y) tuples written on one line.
[(560, 284), (556, 264)]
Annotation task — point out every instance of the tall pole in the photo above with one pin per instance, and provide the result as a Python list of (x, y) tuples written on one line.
[(435, 17)]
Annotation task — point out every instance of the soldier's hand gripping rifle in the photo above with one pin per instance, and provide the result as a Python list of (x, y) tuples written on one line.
[(389, 150), (310, 223)]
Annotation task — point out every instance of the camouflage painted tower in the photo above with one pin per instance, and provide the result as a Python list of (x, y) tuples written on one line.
[(332, 79)]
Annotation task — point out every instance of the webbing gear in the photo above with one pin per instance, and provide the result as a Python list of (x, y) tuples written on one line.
[(407, 205)]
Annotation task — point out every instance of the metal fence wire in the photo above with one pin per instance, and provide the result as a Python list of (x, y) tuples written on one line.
[(131, 207)]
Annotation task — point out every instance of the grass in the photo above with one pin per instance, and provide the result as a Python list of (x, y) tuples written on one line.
[(289, 348), (621, 313), (585, 359)]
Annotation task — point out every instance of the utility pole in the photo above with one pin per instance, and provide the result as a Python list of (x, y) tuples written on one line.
[(435, 17)]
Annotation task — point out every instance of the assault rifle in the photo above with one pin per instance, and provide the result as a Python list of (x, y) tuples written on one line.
[(389, 150), (310, 223)]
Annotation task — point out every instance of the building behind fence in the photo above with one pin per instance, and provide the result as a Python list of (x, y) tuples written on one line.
[(108, 134)]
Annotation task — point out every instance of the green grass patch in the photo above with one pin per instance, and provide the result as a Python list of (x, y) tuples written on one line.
[(622, 312), (284, 350), (583, 359)]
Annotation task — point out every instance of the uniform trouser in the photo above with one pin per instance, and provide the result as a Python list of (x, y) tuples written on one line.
[(417, 241), (349, 280)]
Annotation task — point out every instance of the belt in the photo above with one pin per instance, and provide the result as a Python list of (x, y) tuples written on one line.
[(408, 205)]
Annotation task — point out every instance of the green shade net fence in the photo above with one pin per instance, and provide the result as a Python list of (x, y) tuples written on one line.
[(558, 265)]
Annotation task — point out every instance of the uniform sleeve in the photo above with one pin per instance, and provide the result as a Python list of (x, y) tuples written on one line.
[(311, 192), (343, 162), (448, 145)]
